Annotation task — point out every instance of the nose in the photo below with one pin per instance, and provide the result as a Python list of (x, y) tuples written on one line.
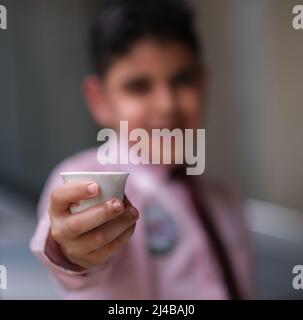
[(166, 102)]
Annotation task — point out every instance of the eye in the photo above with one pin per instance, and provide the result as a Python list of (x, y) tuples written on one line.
[(138, 86), (188, 78)]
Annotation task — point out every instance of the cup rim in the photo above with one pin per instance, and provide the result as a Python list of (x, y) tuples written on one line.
[(93, 173)]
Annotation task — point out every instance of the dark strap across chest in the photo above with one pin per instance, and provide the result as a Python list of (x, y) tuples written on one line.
[(195, 191)]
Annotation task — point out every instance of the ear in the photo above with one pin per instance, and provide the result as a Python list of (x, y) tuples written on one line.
[(93, 91), (204, 79), (203, 74)]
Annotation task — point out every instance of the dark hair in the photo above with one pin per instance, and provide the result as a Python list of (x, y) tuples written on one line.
[(122, 23)]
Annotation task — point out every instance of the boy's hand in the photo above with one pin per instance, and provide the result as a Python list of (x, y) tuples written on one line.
[(89, 238)]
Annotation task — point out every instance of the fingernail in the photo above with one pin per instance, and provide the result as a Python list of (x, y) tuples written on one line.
[(75, 204), (117, 205), (92, 188), (133, 212)]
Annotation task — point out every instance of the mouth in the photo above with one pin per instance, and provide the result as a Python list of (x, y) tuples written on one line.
[(169, 126)]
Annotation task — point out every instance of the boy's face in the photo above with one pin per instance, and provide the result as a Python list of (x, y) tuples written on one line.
[(155, 86)]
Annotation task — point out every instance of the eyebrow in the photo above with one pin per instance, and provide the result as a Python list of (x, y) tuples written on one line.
[(135, 79), (187, 69)]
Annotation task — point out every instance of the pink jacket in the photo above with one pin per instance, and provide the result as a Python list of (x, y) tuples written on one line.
[(169, 255)]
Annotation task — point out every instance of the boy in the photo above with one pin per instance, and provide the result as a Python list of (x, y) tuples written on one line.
[(169, 239)]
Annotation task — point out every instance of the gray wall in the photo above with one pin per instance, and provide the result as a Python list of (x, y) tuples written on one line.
[(254, 129), (42, 60)]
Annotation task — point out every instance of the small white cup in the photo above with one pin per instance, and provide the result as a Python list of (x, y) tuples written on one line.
[(112, 185)]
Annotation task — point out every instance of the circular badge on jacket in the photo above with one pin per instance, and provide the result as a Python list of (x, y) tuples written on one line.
[(161, 231)]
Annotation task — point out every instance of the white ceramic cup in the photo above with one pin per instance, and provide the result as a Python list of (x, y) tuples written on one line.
[(112, 185)]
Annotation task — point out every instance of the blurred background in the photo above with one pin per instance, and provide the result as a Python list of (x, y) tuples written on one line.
[(254, 130)]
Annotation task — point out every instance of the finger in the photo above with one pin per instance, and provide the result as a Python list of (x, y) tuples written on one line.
[(126, 202), (80, 223), (106, 233), (102, 255), (77, 261), (63, 196)]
